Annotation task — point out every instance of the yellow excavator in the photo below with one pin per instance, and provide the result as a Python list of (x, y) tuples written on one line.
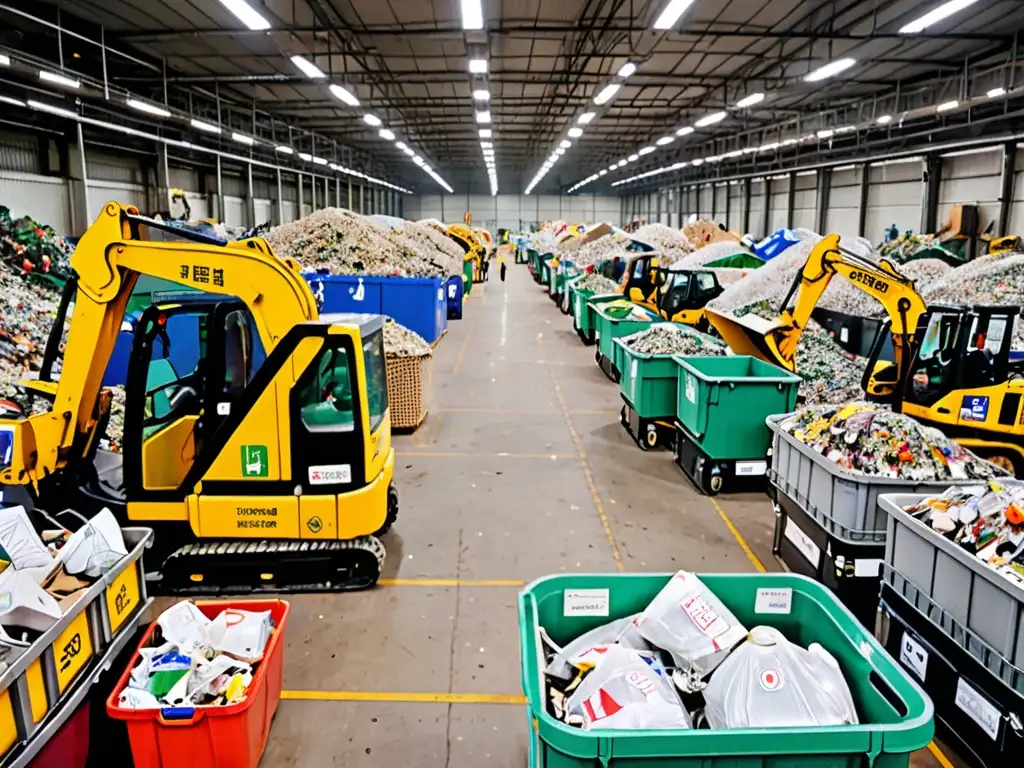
[(683, 294), (257, 435), (953, 366), (640, 281)]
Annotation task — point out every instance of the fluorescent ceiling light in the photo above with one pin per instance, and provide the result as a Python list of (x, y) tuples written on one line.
[(714, 117), (751, 100), (884, 119), (345, 95), (684, 131), (633, 158), (936, 15), (53, 77), (385, 133), (606, 93), (788, 142), (145, 106), (245, 13), (486, 145), (646, 151), (417, 159), (622, 163), (308, 68), (995, 93), (408, 151), (483, 117), (241, 138), (831, 69), (478, 66), (697, 161), (44, 107), (671, 14), (9, 100), (613, 166), (665, 140), (602, 172), (827, 133), (320, 161), (372, 120), (564, 144), (472, 14), (305, 156), (947, 105), (626, 70), (284, 150), (586, 117), (5, 60), (485, 133), (208, 127), (559, 151), (400, 145), (575, 133), (482, 95)]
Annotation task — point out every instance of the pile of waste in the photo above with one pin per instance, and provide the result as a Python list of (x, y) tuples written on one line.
[(710, 252), (671, 339), (196, 661), (986, 520), (27, 312), (614, 244), (830, 374), (399, 341), (687, 662), (866, 439), (543, 241), (346, 243), (427, 237), (844, 296), (43, 574), (704, 231), (115, 425), (28, 246), (597, 283), (672, 244), (997, 278), (905, 246)]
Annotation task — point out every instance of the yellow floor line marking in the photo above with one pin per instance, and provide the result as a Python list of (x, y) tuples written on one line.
[(462, 349), (436, 429), (938, 754), (463, 455), (451, 583), (738, 536), (406, 698)]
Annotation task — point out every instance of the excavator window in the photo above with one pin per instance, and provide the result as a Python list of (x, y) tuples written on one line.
[(376, 378), (325, 400), (934, 368)]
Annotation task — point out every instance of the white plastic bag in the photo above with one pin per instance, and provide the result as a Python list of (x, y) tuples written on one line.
[(769, 682), (626, 691), (184, 625), (688, 621), (621, 631)]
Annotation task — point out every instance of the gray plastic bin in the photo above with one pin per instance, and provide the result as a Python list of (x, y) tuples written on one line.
[(845, 504), (973, 594)]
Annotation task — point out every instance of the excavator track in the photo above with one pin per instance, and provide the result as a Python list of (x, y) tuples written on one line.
[(232, 567)]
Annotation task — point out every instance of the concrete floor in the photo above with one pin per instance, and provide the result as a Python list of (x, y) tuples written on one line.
[(520, 471)]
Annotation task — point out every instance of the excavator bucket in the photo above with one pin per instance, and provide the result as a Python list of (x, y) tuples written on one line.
[(757, 337)]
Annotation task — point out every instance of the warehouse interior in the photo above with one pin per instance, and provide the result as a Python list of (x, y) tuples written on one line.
[(617, 383)]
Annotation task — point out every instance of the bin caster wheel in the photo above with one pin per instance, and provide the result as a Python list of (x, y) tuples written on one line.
[(622, 417), (597, 357), (711, 481), (652, 435)]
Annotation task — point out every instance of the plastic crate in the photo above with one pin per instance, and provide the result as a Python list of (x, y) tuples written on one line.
[(976, 711), (723, 402), (896, 716), (409, 390), (418, 303), (232, 736), (840, 501), (971, 593)]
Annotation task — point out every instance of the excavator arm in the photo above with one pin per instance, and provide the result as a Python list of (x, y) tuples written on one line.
[(108, 260), (777, 342)]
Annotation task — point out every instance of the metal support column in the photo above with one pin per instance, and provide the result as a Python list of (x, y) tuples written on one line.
[(298, 187), (362, 198), (746, 205), (250, 199), (280, 200), (791, 201), (728, 204), (83, 214), (862, 203), (350, 194), (103, 61), (931, 174), (1006, 187), (714, 200), (679, 204), (767, 216), (163, 184), (821, 201)]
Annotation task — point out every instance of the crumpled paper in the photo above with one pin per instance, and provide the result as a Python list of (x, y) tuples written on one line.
[(399, 341)]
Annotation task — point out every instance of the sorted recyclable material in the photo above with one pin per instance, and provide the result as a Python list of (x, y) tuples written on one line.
[(621, 631), (994, 279), (196, 661), (987, 520), (597, 284), (844, 296), (670, 339), (671, 243), (399, 341), (866, 439), (28, 246), (770, 682)]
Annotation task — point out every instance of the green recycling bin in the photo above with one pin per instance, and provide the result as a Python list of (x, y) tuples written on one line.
[(584, 319), (896, 718), (609, 327), (467, 275)]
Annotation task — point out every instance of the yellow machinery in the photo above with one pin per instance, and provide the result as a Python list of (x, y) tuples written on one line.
[(468, 240), (1006, 244), (639, 282), (953, 367), (257, 436), (683, 294)]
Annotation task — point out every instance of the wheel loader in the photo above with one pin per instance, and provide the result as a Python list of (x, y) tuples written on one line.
[(257, 435)]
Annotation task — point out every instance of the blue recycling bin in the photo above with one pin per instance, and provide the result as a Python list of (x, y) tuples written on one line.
[(347, 293), (418, 303), (775, 244), (453, 292)]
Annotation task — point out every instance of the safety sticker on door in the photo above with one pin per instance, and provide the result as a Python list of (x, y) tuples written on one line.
[(254, 461), (974, 408)]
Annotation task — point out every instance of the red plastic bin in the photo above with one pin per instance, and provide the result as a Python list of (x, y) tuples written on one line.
[(233, 736)]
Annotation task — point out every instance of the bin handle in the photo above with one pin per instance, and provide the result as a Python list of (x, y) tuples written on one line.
[(531, 687), (180, 716)]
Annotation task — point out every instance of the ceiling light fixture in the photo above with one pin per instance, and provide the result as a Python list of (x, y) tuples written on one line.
[(606, 93), (13, 102), (284, 150), (482, 95), (320, 161), (145, 106), (884, 119), (665, 140), (202, 126), (58, 79), (345, 95), (825, 133), (934, 16), (831, 69), (645, 151), (633, 158), (478, 66), (714, 117), (575, 133), (684, 131), (472, 14), (564, 144), (305, 156), (408, 151), (372, 120), (751, 100), (386, 133), (42, 106), (308, 68), (586, 117), (400, 145), (626, 70), (246, 14), (946, 106), (483, 117), (485, 133), (241, 138), (5, 60), (995, 93), (671, 14)]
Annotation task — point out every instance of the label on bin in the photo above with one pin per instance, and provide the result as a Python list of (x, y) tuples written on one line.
[(777, 600), (585, 602), (691, 388), (803, 543), (123, 596), (913, 656), (72, 650), (751, 468), (978, 708)]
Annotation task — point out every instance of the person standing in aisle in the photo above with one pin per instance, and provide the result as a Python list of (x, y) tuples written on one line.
[(501, 263)]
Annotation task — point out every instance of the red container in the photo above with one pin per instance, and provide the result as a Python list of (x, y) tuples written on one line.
[(233, 736), (69, 747)]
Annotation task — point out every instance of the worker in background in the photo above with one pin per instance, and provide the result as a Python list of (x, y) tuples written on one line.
[(485, 265), (501, 263)]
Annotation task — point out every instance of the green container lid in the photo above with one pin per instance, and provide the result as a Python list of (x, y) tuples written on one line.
[(896, 716), (722, 402)]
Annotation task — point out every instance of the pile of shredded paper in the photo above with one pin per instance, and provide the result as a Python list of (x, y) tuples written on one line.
[(672, 339), (399, 341)]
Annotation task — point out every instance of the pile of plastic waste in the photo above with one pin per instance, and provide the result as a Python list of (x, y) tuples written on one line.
[(844, 296), (687, 662), (994, 279), (866, 439), (671, 339), (599, 284), (115, 425), (28, 246), (543, 240), (905, 246), (400, 341), (197, 661), (829, 373), (986, 520), (45, 571), (671, 243)]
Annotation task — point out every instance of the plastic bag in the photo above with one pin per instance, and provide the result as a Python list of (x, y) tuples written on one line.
[(621, 631), (626, 690), (688, 621), (769, 682)]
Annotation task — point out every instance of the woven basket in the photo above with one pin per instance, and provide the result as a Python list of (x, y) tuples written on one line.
[(409, 390)]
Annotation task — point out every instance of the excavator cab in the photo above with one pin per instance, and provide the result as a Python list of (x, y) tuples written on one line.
[(682, 295), (640, 280)]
